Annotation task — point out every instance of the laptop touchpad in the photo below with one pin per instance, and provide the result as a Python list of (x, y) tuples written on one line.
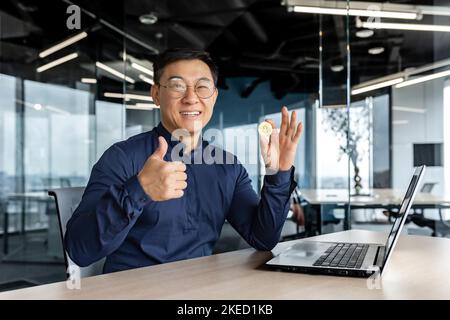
[(307, 249)]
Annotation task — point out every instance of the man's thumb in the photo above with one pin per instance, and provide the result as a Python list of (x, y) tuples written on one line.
[(162, 149)]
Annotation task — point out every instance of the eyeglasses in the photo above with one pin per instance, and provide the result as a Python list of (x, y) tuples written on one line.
[(177, 87)]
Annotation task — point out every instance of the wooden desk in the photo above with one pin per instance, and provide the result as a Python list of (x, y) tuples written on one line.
[(418, 269), (381, 197), (376, 198)]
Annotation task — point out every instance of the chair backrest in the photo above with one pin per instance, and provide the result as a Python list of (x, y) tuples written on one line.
[(67, 200)]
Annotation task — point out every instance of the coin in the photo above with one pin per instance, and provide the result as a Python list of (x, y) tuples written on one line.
[(265, 129)]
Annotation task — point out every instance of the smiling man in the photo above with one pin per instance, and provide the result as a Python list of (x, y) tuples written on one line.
[(143, 206)]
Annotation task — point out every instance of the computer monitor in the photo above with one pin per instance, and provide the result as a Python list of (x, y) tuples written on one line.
[(429, 154)]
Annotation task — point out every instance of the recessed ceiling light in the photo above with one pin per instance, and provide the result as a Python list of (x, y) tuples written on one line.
[(148, 18), (337, 68), (89, 80), (365, 33), (376, 50)]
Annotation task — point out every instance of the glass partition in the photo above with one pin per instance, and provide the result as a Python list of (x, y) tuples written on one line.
[(399, 66), (56, 120)]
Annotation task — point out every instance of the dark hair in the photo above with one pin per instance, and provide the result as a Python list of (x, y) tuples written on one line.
[(176, 54)]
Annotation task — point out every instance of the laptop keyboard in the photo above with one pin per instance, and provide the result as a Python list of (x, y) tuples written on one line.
[(343, 255)]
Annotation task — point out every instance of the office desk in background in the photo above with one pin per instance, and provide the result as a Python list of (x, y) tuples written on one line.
[(418, 269), (376, 198)]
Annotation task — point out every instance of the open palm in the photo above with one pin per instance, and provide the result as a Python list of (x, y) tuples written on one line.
[(278, 150)]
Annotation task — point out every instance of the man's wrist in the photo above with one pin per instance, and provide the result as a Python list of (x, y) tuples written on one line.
[(280, 177), (285, 167)]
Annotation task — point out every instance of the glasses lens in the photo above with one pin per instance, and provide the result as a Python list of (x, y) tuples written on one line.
[(177, 86), (204, 89)]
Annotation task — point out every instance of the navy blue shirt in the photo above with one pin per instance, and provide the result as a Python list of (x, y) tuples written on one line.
[(116, 219)]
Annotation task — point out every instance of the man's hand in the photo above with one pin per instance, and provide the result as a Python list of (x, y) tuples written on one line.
[(278, 151), (160, 179)]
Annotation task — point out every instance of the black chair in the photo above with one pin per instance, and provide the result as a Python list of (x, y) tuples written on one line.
[(301, 217), (67, 200), (439, 227)]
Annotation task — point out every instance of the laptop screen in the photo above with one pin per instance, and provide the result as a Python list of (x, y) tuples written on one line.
[(403, 212)]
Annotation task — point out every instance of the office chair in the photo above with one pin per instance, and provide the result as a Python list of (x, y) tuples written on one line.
[(302, 217), (67, 200), (439, 227)]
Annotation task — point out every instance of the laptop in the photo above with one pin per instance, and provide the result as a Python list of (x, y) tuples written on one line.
[(347, 259)]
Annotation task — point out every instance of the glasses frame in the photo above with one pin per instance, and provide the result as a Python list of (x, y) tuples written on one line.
[(194, 86)]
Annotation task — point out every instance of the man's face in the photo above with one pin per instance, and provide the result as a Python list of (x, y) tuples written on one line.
[(188, 111)]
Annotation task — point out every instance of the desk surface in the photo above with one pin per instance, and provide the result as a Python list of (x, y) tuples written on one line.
[(375, 197), (32, 195), (419, 269)]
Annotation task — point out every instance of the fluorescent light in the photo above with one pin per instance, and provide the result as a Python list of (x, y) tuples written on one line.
[(407, 109), (337, 68), (145, 79), (37, 106), (63, 44), (376, 50), (399, 122), (404, 26), (383, 14), (424, 78), (142, 69), (142, 106), (377, 86), (147, 105), (57, 62), (127, 96), (114, 72), (138, 97), (357, 12), (365, 33), (88, 80), (114, 95)]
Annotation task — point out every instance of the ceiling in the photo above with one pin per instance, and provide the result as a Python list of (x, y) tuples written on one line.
[(257, 39)]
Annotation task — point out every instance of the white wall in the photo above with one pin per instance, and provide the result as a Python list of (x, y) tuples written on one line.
[(424, 127)]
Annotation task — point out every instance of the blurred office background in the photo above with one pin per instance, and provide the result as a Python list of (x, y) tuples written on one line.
[(371, 84)]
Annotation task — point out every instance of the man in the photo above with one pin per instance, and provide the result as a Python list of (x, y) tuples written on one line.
[(142, 207)]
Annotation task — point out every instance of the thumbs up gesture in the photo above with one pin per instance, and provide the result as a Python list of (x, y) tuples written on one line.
[(160, 179)]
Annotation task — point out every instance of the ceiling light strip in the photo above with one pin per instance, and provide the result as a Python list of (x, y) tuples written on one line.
[(57, 62), (63, 44), (423, 79), (127, 96), (405, 26), (88, 80), (377, 86), (114, 72), (142, 69), (146, 79), (357, 12), (408, 109)]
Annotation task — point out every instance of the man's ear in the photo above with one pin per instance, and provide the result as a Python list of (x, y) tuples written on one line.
[(215, 95), (154, 92)]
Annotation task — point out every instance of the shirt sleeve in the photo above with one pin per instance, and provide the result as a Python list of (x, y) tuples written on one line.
[(111, 204), (260, 221)]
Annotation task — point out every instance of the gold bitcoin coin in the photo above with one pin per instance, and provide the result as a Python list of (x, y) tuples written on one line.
[(265, 129)]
